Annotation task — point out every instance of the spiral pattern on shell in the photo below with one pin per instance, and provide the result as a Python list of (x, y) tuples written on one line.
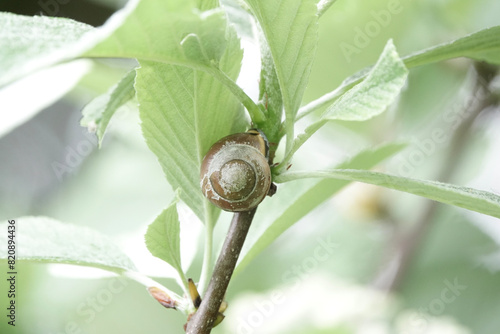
[(235, 173)]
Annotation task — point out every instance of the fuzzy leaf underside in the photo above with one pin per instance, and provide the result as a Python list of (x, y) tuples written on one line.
[(183, 112), (483, 45), (28, 43), (291, 31), (163, 237), (100, 110), (50, 241), (375, 93)]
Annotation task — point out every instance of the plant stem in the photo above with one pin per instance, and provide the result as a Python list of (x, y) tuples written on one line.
[(297, 143), (330, 97), (290, 136), (207, 256), (256, 114), (202, 321)]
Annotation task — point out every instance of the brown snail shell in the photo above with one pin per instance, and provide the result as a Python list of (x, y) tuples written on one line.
[(235, 173)]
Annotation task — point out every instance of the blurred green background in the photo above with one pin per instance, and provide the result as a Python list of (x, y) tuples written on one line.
[(450, 283)]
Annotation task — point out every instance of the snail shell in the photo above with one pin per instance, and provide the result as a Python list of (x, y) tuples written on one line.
[(235, 173)]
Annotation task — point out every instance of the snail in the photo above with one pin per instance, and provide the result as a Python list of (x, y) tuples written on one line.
[(235, 173)]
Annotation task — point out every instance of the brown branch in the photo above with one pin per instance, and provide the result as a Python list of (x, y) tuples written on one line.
[(203, 320)]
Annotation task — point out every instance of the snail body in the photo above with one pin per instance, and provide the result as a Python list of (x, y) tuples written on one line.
[(235, 173)]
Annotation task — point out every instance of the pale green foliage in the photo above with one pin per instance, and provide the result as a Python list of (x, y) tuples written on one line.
[(163, 238), (185, 86), (377, 91), (483, 45), (183, 112), (99, 111), (366, 100), (169, 32), (464, 197), (29, 43), (290, 29), (48, 240)]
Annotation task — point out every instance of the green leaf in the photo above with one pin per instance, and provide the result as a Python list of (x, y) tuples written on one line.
[(206, 4), (183, 109), (483, 45), (302, 200), (163, 238), (99, 111), (270, 96), (50, 241), (183, 112), (171, 32), (28, 43), (366, 100), (291, 31), (167, 31), (464, 197), (374, 94)]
